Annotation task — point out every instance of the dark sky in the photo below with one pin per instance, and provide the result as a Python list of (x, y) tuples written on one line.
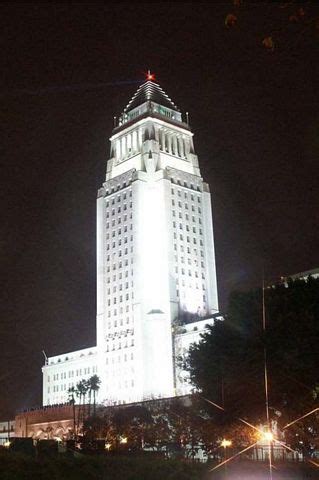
[(65, 71)]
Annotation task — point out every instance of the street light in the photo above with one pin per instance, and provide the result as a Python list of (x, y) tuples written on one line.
[(226, 443), (268, 436)]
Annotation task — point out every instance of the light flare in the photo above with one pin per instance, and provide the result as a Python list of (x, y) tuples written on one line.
[(300, 418), (233, 456)]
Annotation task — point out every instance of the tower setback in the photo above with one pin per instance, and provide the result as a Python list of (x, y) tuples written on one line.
[(156, 275)]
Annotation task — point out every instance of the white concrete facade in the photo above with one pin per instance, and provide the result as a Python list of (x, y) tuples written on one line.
[(155, 253)]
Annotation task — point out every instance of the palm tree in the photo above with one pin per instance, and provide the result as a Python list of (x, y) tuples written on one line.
[(82, 389), (94, 385), (72, 392)]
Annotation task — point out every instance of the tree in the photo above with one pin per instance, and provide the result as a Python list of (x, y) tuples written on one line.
[(93, 384), (227, 366), (81, 390), (72, 394)]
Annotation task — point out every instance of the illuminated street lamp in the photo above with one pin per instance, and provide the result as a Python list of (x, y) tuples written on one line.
[(123, 440), (226, 443), (268, 436)]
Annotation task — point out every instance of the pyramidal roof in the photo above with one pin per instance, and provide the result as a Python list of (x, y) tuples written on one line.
[(150, 91)]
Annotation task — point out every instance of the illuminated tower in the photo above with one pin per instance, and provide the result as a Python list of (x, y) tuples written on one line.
[(155, 250), (155, 260)]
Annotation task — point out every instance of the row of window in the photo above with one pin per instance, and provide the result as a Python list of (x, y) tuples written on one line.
[(189, 261), (72, 373), (120, 276), (190, 284), (187, 228), (118, 199), (118, 220), (180, 215), (121, 299), (61, 388), (179, 204), (113, 245), (120, 286), (185, 184), (119, 232), (182, 249), (125, 358), (120, 264), (190, 272), (123, 208), (179, 194), (188, 250), (127, 309), (188, 240), (120, 345), (114, 188)]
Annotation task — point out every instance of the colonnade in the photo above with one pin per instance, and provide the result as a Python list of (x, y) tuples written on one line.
[(169, 141)]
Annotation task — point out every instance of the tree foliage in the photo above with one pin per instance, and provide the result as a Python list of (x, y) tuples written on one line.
[(227, 366)]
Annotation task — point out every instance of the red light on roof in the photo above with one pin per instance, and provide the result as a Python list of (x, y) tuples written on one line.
[(150, 76)]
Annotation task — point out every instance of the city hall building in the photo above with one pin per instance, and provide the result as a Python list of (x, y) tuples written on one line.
[(156, 275)]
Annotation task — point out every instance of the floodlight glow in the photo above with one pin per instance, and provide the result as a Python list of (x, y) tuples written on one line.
[(107, 446), (123, 440)]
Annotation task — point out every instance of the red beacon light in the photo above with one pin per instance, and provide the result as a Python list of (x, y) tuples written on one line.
[(150, 76)]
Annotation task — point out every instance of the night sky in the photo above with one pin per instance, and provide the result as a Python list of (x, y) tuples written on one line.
[(66, 70)]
